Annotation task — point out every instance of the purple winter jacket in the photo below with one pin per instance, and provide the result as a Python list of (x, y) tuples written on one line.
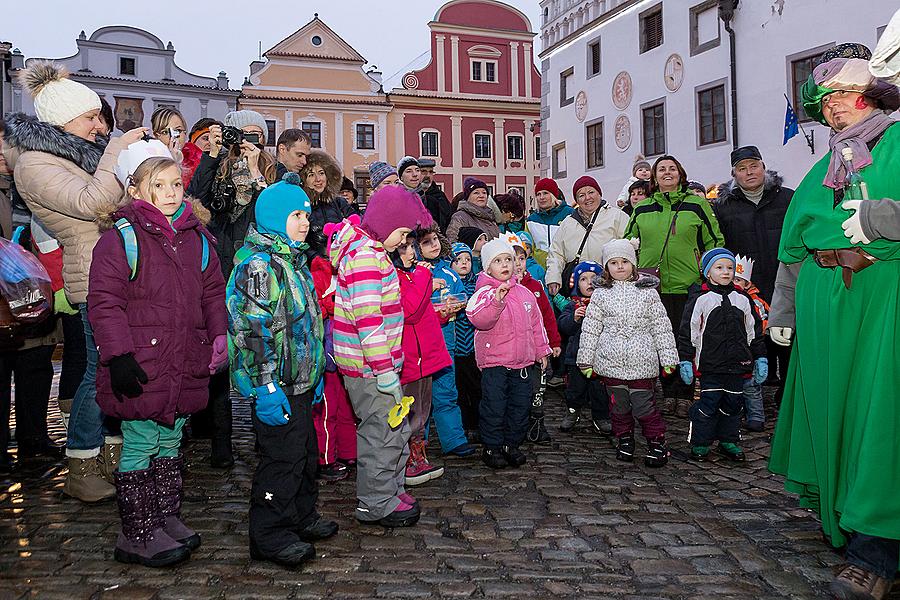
[(167, 317)]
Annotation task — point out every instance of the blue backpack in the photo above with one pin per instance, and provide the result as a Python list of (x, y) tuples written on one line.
[(129, 240)]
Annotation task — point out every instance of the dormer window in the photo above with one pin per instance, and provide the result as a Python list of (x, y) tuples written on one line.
[(483, 60)]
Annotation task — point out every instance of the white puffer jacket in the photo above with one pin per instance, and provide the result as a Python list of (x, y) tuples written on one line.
[(626, 333)]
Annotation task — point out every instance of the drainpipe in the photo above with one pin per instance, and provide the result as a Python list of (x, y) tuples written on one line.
[(726, 13)]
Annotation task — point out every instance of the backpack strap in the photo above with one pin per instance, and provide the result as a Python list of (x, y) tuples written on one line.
[(204, 252), (129, 241)]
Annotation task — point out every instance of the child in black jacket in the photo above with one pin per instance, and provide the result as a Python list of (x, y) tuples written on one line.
[(582, 391), (720, 336)]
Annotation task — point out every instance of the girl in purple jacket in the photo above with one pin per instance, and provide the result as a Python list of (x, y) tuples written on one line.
[(157, 305), (509, 339)]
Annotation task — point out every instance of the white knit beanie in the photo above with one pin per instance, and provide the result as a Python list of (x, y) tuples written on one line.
[(620, 249), (493, 249), (243, 118), (57, 99)]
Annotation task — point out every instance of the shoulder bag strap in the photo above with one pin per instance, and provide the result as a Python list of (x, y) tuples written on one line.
[(587, 232)]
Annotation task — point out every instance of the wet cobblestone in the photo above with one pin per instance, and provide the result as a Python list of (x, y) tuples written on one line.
[(572, 523)]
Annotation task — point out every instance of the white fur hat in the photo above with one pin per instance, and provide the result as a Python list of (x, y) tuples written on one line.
[(243, 118), (743, 267), (493, 249), (136, 153), (57, 99), (620, 249)]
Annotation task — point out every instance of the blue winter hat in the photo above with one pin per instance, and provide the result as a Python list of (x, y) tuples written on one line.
[(460, 248), (711, 256), (379, 171), (585, 266), (277, 202), (527, 239)]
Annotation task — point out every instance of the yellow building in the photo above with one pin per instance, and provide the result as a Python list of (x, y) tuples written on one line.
[(315, 81)]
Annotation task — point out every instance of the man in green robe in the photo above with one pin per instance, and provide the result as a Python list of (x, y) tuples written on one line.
[(837, 441)]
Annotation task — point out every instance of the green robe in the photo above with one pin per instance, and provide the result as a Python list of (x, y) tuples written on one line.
[(837, 441)]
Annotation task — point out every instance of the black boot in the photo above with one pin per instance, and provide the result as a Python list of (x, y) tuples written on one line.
[(625, 447), (515, 457), (657, 452), (493, 458), (537, 432), (319, 529)]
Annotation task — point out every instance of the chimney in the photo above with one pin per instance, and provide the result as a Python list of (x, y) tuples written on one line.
[(222, 81), (375, 74), (256, 65)]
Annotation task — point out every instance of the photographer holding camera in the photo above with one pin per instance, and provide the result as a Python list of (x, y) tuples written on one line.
[(227, 181)]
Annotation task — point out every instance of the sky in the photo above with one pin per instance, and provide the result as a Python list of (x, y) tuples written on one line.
[(213, 36)]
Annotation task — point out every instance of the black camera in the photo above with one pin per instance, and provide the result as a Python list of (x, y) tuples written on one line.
[(233, 135), (223, 193)]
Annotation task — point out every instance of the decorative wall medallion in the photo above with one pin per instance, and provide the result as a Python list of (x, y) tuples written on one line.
[(410, 81), (581, 106), (623, 133), (674, 72), (621, 90)]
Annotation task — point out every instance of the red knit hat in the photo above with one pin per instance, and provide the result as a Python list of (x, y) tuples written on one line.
[(586, 181), (548, 185)]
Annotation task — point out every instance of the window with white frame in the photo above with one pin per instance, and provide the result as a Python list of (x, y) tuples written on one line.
[(593, 58), (483, 145), (515, 147), (594, 144), (314, 130), (430, 144), (484, 70), (365, 136)]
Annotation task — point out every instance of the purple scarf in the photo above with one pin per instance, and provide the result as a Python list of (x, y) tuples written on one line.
[(855, 137)]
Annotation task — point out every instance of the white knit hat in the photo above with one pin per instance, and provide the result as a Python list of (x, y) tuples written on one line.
[(57, 99), (493, 249), (620, 249), (243, 118), (136, 153)]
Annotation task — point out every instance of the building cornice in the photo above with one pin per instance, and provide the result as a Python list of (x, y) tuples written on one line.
[(588, 27), (167, 85), (336, 104), (501, 34), (463, 98)]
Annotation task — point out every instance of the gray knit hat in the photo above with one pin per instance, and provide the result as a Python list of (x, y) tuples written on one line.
[(243, 118)]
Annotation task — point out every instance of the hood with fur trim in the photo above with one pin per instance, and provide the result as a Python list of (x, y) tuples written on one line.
[(106, 219), (25, 133), (446, 248), (333, 174), (727, 190)]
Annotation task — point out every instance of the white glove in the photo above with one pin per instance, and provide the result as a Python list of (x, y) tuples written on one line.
[(781, 335), (853, 226)]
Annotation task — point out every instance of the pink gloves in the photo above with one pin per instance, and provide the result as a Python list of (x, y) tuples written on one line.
[(219, 354)]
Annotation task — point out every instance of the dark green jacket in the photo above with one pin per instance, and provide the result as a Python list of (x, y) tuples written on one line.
[(694, 230)]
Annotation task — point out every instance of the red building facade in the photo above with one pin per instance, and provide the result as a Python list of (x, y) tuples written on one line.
[(475, 107)]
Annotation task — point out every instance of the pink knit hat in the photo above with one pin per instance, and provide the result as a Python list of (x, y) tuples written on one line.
[(391, 208)]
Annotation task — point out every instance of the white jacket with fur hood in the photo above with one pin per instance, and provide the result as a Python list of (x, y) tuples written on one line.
[(626, 333)]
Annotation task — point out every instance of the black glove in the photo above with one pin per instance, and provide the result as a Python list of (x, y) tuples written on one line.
[(126, 376)]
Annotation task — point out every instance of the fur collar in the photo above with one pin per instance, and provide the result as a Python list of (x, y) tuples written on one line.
[(106, 219), (644, 281), (26, 133), (729, 189)]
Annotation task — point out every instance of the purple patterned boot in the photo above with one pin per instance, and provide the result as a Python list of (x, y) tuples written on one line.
[(167, 472), (143, 540)]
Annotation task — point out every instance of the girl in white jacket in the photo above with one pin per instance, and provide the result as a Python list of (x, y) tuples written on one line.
[(625, 338)]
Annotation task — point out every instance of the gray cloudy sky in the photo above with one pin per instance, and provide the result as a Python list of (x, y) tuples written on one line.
[(213, 36)]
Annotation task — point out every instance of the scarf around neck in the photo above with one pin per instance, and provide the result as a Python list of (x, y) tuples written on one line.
[(856, 137)]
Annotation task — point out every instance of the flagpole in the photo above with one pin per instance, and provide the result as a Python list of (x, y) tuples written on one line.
[(810, 137)]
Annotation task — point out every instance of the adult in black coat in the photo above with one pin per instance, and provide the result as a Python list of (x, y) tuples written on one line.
[(321, 179), (433, 196)]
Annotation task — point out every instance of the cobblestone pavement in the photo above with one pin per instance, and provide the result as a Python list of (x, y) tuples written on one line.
[(572, 523)]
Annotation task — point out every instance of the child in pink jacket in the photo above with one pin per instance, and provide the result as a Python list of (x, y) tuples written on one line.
[(509, 339)]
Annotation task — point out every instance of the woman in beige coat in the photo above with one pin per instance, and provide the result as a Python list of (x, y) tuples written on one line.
[(67, 180)]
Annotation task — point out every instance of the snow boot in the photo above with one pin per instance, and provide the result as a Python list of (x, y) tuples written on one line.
[(170, 486)]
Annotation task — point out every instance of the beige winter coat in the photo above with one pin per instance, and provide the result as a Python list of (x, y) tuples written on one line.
[(66, 200), (610, 225)]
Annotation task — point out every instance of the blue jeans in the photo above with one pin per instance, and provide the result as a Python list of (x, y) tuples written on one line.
[(445, 410), (86, 420), (753, 401), (874, 554), (505, 405)]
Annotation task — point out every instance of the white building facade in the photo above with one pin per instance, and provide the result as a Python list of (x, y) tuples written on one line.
[(629, 77), (136, 73)]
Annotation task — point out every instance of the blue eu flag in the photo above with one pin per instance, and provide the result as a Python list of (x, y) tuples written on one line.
[(791, 123)]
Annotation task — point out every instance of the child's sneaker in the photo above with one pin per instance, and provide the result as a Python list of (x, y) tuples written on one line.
[(625, 447), (493, 458), (514, 456), (731, 451), (700, 453), (603, 426), (570, 420), (657, 453)]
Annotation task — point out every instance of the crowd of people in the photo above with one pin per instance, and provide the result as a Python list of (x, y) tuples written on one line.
[(190, 265)]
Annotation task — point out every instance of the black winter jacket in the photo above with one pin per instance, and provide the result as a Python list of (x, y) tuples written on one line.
[(755, 230), (570, 330), (437, 204), (721, 331), (334, 211)]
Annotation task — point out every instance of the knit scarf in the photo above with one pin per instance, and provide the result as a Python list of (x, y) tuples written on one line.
[(855, 137)]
